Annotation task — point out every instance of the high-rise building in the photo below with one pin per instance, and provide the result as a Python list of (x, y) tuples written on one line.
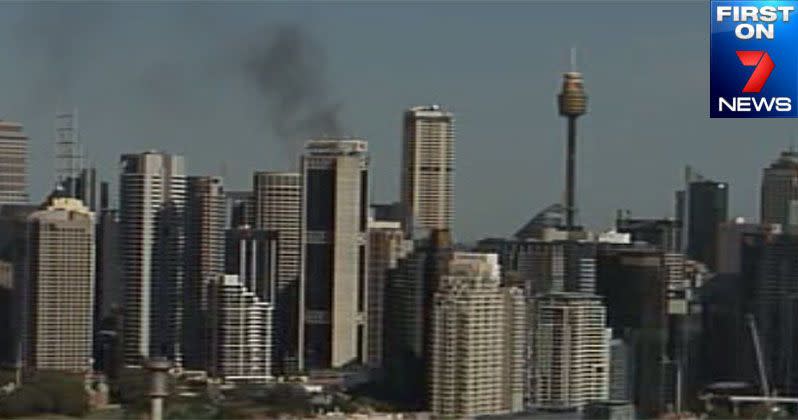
[(334, 233), (204, 259), (427, 169), (708, 207), (635, 283), (240, 332), (621, 370), (277, 206), (152, 192), (779, 201), (477, 342), (239, 209), (14, 250), (771, 267), (13, 164), (61, 294), (571, 351), (387, 245), (730, 243), (253, 255), (662, 233), (8, 330)]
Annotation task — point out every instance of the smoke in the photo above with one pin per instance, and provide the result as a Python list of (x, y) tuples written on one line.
[(165, 66), (289, 72)]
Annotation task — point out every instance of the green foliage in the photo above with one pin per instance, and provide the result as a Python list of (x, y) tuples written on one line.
[(47, 393)]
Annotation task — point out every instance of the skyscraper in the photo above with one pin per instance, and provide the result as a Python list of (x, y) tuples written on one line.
[(428, 168), (635, 283), (779, 201), (152, 192), (387, 245), (571, 351), (204, 259), (277, 198), (240, 332), (14, 170), (334, 233), (477, 342), (708, 207), (61, 294)]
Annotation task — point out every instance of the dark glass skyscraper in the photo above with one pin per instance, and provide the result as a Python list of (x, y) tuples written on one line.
[(708, 207), (334, 232)]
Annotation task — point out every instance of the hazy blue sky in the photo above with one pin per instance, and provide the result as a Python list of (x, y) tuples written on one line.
[(164, 75)]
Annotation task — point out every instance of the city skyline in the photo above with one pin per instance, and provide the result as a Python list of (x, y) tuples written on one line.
[(506, 114)]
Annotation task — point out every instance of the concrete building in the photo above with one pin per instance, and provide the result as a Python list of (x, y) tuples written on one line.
[(277, 208), (240, 332), (387, 245), (204, 261), (621, 370), (779, 200), (61, 295), (427, 184), (477, 345), (152, 193), (571, 351), (13, 164), (334, 234), (730, 243)]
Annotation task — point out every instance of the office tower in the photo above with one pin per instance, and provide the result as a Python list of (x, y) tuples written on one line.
[(427, 168), (277, 205), (477, 352), (771, 267), (779, 201), (204, 261), (570, 351), (621, 370), (253, 255), (572, 103), (14, 171), (61, 295), (109, 290), (386, 246), (240, 332), (85, 187), (7, 316), (334, 233), (665, 234), (14, 250), (635, 282), (730, 243), (239, 209), (152, 193), (707, 204), (407, 320), (557, 266), (391, 212)]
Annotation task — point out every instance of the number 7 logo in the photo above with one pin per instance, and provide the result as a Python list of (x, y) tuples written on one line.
[(764, 65)]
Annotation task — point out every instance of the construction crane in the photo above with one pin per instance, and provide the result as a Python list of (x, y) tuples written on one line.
[(760, 360)]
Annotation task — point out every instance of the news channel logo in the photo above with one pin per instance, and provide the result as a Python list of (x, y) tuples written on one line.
[(753, 59)]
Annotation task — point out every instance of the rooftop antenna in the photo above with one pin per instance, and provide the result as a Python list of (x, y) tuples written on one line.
[(573, 59), (67, 150)]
